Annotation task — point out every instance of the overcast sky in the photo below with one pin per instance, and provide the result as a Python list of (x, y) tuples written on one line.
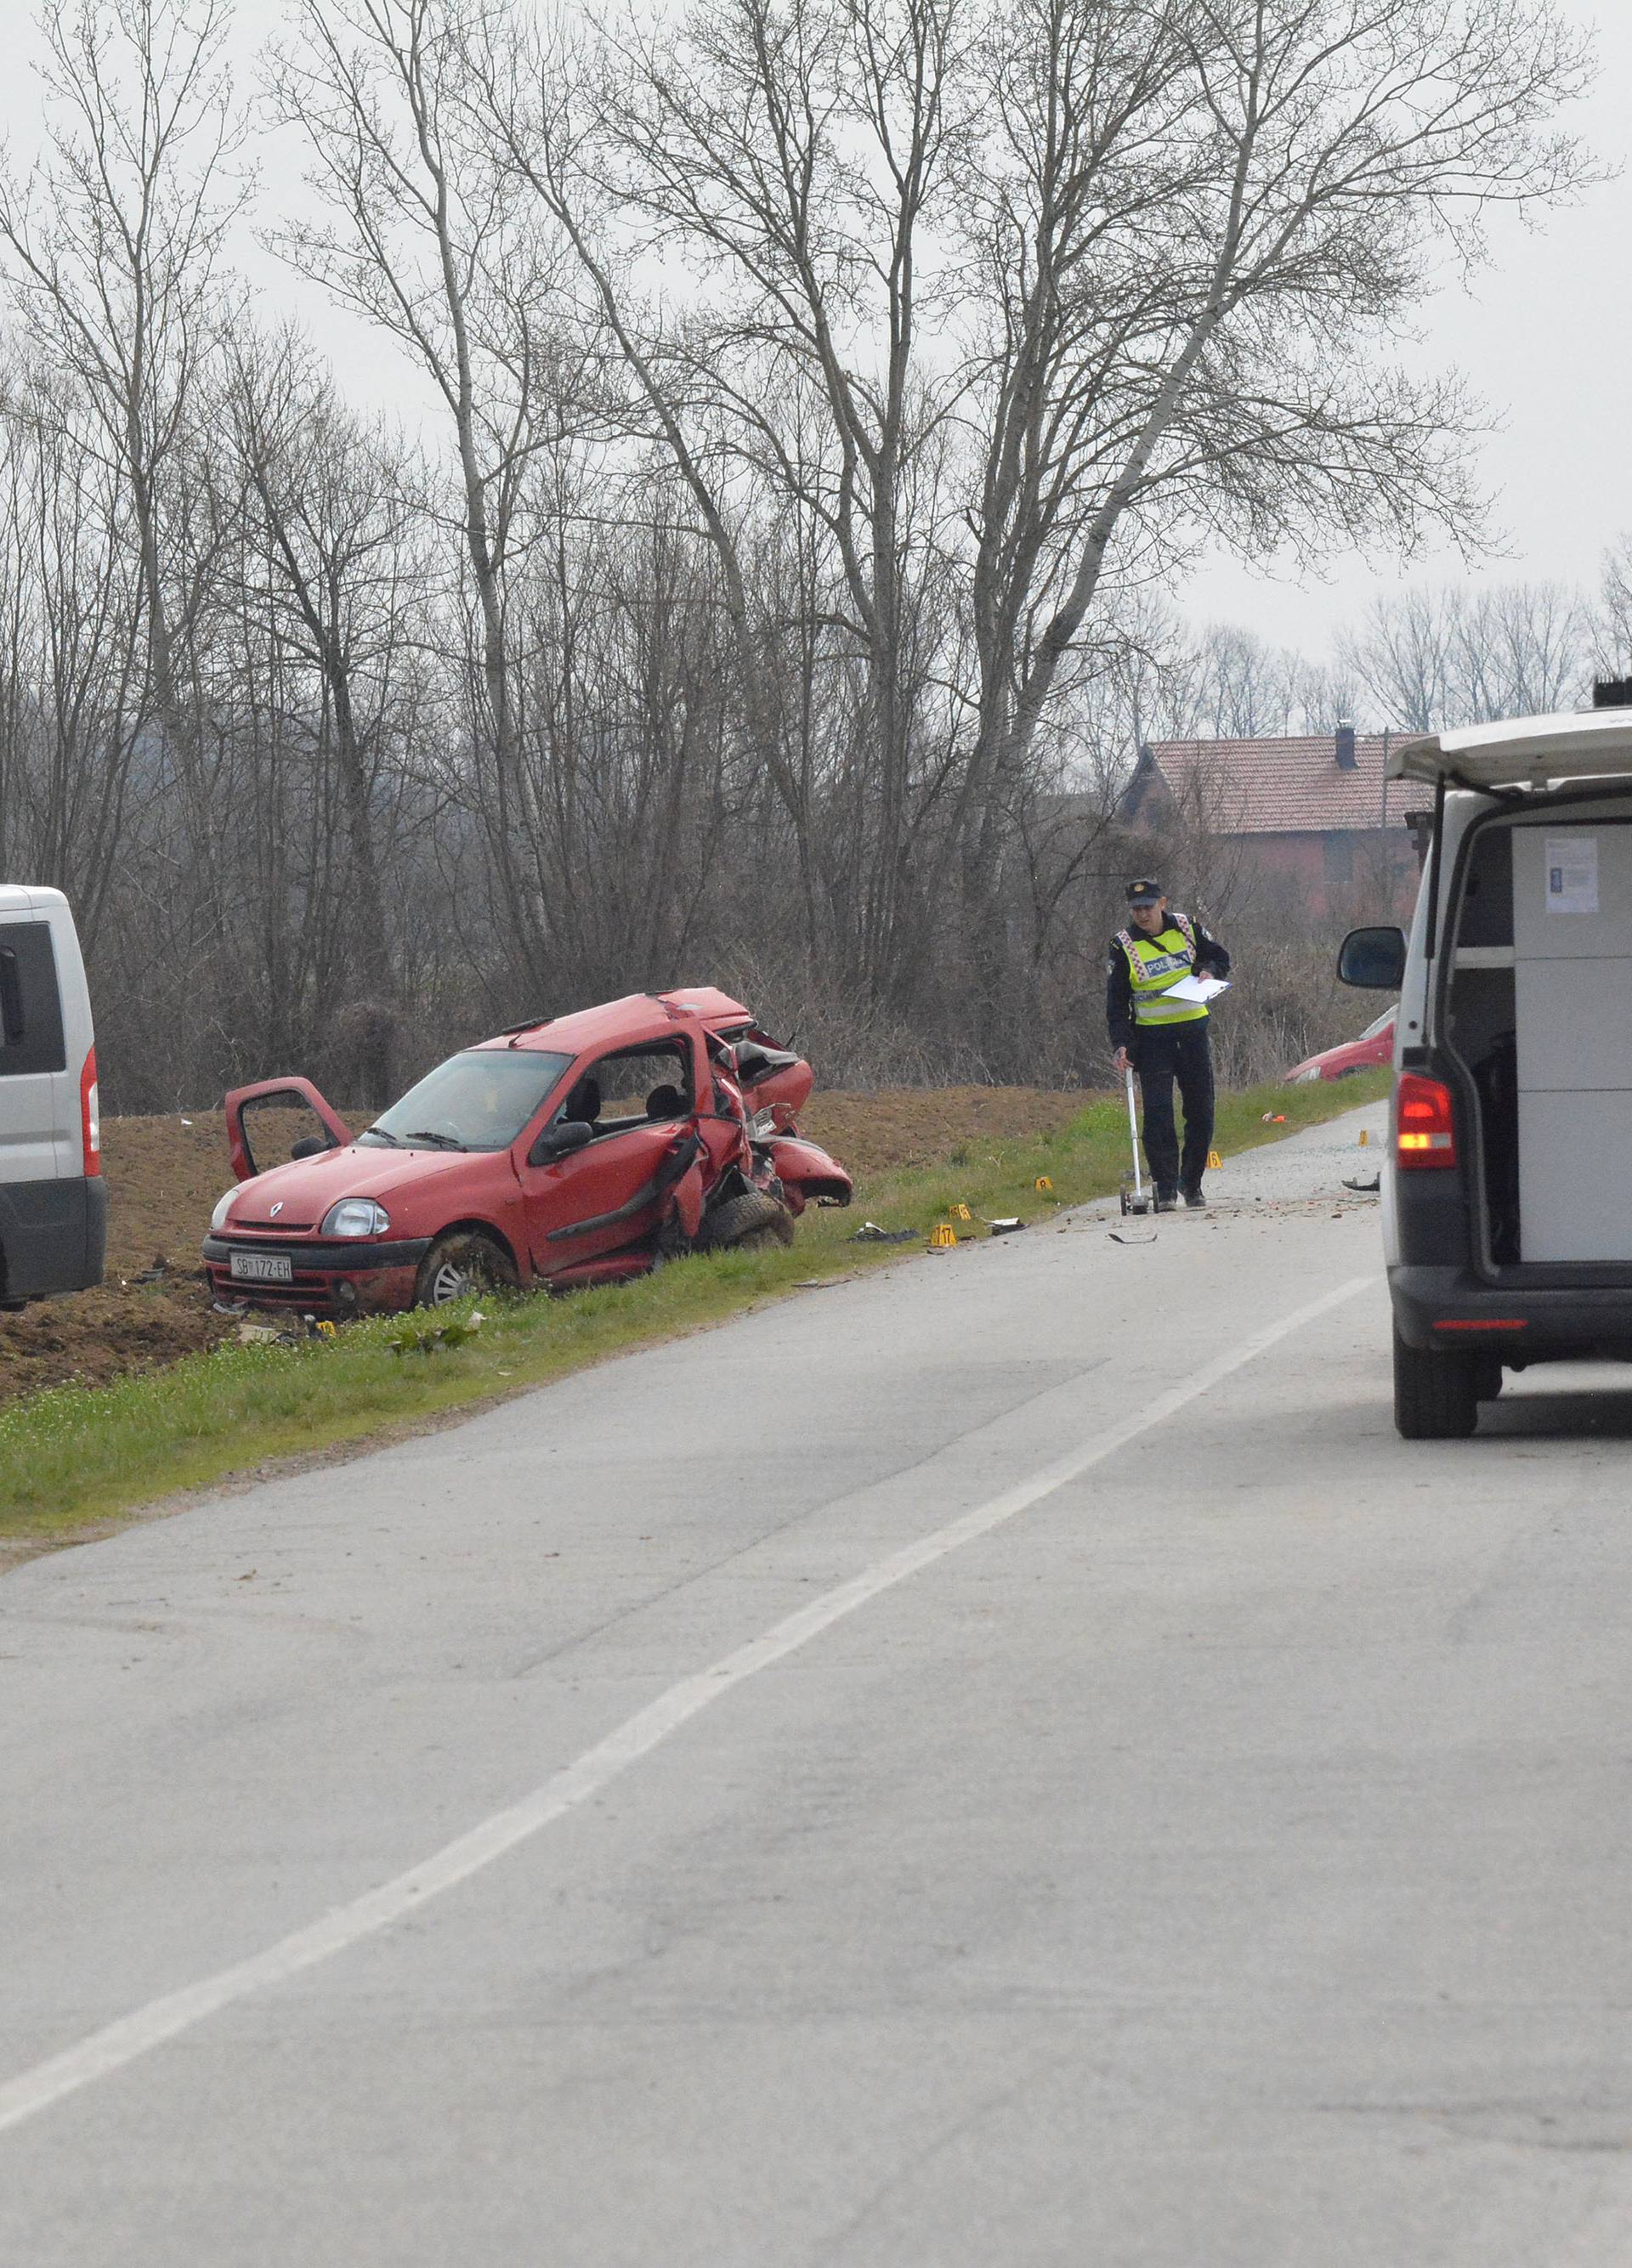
[(1543, 336)]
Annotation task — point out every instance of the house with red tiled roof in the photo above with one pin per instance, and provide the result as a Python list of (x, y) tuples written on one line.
[(1315, 811)]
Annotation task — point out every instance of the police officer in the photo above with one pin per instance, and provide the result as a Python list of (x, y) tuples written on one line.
[(1164, 1039)]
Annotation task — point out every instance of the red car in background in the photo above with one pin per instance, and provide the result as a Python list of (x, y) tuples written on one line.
[(561, 1152), (1373, 1047)]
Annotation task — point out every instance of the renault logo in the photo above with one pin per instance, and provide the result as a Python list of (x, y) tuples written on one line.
[(276, 1208)]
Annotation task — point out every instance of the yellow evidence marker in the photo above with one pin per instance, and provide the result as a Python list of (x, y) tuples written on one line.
[(1365, 1138), (942, 1236), (960, 1212), (1214, 1163), (1043, 1182)]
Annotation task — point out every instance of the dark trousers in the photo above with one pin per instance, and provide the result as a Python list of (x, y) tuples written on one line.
[(1181, 1052)]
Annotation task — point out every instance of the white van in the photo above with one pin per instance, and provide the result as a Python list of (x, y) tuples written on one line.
[(53, 1202), (1507, 1196)]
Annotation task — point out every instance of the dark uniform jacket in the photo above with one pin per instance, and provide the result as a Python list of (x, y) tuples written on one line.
[(1211, 961)]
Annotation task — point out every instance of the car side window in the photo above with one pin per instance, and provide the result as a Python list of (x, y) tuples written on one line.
[(31, 1004), (640, 1087)]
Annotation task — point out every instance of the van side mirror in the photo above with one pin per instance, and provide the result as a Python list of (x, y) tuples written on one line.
[(1373, 959), (558, 1140)]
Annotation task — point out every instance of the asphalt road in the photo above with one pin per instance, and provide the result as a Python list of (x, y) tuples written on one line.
[(1007, 1761)]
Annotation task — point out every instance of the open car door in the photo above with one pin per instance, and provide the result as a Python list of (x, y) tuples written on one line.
[(279, 1095)]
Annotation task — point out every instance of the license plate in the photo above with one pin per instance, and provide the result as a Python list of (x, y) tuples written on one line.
[(262, 1268)]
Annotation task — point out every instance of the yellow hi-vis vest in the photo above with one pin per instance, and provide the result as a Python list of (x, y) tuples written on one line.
[(1156, 962)]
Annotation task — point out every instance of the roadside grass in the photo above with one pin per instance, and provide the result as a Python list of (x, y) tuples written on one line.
[(73, 1458)]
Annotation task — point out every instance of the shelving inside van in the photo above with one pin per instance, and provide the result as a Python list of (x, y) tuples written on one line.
[(1539, 1000)]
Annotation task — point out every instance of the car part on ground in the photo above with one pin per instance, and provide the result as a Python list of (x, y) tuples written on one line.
[(568, 1152)]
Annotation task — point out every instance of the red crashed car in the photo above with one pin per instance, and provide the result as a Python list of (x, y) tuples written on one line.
[(558, 1153), (1373, 1047)]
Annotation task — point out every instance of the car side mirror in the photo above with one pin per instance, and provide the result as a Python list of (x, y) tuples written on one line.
[(313, 1147), (1373, 959), (558, 1140)]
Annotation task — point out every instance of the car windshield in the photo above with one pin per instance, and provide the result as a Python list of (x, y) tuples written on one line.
[(1372, 1031), (478, 1100)]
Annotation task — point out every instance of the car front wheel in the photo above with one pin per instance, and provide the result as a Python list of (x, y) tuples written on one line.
[(460, 1264)]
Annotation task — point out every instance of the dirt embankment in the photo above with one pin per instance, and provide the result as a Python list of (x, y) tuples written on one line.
[(164, 1175)]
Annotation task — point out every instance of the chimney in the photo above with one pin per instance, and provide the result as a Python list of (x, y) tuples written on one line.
[(1345, 745)]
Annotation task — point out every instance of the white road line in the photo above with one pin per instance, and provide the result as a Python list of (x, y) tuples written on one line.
[(122, 2041)]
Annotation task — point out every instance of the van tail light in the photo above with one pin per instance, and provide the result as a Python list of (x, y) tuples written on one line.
[(91, 1116), (1424, 1129)]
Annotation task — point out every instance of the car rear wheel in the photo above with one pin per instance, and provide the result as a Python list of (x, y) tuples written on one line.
[(1437, 1397), (460, 1264), (740, 1223)]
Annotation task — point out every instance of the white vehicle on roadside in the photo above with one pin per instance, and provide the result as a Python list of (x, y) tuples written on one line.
[(53, 1203), (1507, 1196)]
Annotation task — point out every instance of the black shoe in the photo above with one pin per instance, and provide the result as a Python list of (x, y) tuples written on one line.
[(1164, 1200), (1194, 1198)]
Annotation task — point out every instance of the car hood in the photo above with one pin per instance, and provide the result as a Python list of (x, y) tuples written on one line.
[(305, 1188)]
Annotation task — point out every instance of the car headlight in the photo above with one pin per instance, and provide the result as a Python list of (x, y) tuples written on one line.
[(356, 1217), (1309, 1078), (223, 1205)]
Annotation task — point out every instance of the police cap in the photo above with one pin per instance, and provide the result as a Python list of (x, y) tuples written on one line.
[(1145, 894)]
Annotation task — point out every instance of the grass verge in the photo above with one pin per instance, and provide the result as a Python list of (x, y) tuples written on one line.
[(73, 1458)]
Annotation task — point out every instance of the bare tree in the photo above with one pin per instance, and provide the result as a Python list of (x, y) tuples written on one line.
[(1455, 656), (1183, 210), (334, 565), (71, 676), (1403, 654), (421, 237), (1525, 650), (115, 243), (786, 155), (1612, 624)]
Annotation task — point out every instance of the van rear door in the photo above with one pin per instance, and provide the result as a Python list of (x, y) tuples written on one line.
[(1537, 980)]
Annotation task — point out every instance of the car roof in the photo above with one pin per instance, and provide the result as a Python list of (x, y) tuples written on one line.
[(625, 1023), (1535, 752)]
